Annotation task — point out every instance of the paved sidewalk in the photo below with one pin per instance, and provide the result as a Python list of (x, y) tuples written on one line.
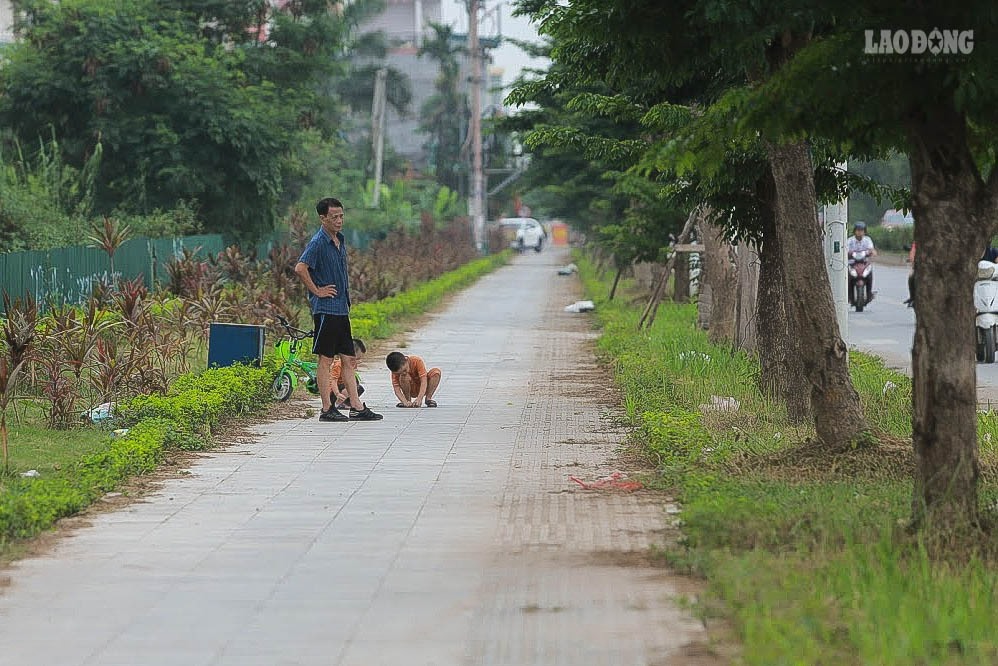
[(448, 536)]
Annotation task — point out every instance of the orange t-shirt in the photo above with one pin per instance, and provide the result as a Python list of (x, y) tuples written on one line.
[(336, 371), (417, 370)]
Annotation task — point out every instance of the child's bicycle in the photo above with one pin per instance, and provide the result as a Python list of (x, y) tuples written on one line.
[(292, 367)]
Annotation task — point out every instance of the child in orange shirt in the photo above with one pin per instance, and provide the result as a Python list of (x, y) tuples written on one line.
[(412, 382), (339, 397)]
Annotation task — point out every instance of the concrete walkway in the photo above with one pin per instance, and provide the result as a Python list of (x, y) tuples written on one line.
[(450, 536)]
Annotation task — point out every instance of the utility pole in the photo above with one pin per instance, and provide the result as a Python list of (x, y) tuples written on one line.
[(378, 108), (476, 207), (417, 8), (836, 259)]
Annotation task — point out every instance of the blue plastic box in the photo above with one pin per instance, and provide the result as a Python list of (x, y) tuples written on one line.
[(229, 344)]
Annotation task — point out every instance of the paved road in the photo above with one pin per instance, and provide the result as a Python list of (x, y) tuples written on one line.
[(450, 536), (887, 327)]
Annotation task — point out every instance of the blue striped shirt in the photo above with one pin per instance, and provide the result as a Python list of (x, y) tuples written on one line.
[(327, 264)]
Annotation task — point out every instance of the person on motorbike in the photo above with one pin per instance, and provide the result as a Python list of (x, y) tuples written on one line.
[(860, 242)]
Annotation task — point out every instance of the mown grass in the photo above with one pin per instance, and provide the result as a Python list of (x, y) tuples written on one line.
[(805, 552), (46, 451)]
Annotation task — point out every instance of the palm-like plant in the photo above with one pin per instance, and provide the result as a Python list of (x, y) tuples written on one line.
[(108, 235), (18, 334)]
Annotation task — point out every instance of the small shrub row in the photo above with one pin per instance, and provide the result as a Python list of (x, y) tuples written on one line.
[(198, 403)]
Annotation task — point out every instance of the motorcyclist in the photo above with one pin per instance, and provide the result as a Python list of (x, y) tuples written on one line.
[(860, 242)]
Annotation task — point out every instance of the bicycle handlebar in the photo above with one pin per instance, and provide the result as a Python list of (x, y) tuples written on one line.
[(294, 332)]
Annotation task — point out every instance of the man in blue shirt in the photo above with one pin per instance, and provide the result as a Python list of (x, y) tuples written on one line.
[(323, 270)]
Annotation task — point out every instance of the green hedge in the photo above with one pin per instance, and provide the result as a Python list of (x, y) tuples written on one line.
[(201, 401)]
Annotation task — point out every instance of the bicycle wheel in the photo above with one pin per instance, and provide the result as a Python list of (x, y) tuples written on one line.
[(282, 386)]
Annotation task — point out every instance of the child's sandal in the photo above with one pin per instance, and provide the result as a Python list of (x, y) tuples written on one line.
[(431, 403)]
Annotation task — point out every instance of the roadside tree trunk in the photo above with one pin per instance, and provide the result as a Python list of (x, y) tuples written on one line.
[(704, 302), (781, 373), (956, 212), (838, 413), (747, 270), (681, 286), (719, 273)]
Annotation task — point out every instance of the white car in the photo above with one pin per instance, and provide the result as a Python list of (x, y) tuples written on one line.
[(529, 233)]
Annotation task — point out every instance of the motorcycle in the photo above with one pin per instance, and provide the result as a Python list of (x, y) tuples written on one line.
[(860, 269), (986, 304)]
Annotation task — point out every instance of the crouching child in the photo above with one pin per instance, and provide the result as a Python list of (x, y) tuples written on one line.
[(413, 384)]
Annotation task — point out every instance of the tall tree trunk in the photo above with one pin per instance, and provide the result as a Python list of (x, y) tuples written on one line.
[(747, 269), (838, 414), (781, 373), (719, 273), (681, 286), (705, 301), (956, 216)]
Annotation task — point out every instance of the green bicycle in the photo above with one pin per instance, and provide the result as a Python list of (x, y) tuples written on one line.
[(293, 367)]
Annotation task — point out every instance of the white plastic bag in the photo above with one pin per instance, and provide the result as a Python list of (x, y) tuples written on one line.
[(580, 306)]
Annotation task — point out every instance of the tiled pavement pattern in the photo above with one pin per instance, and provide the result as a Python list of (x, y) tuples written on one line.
[(448, 536)]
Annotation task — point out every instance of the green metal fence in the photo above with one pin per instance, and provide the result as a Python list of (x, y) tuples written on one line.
[(67, 273)]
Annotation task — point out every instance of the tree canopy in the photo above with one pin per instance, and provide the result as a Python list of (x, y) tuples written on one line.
[(190, 101)]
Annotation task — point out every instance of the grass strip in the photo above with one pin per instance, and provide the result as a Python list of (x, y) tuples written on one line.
[(804, 551)]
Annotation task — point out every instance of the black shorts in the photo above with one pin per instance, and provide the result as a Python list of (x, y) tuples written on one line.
[(332, 335)]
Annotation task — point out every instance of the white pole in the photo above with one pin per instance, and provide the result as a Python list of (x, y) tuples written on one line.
[(475, 203), (836, 257), (378, 132), (417, 7)]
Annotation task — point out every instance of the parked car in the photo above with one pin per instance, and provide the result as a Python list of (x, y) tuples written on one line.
[(523, 233)]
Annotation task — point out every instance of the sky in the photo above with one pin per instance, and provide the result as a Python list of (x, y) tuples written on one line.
[(509, 57)]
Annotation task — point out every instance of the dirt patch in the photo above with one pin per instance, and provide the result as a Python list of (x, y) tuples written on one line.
[(890, 460), (628, 558), (696, 653)]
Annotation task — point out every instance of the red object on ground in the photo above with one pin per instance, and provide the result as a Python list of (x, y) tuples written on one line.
[(616, 481)]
